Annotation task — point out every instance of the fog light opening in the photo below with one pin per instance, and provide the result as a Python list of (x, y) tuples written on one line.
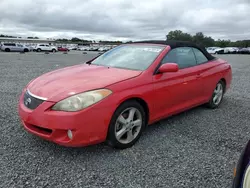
[(70, 134)]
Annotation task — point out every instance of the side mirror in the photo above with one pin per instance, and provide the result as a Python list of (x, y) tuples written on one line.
[(168, 67)]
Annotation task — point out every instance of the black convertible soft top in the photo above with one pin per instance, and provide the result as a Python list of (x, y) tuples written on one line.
[(175, 44)]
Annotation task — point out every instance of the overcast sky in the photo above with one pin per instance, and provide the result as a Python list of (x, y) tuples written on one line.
[(124, 19)]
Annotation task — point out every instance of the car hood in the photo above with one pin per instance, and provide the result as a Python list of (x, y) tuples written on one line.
[(62, 83)]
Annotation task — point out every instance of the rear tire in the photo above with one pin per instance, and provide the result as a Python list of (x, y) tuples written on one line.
[(217, 95), (25, 50), (53, 50), (126, 125), (7, 50), (39, 50)]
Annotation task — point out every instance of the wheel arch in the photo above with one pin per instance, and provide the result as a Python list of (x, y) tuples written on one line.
[(141, 101), (224, 82)]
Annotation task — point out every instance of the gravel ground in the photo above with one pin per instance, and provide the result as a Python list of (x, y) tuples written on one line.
[(194, 149)]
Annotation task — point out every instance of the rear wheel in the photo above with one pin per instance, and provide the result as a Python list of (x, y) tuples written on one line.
[(39, 50), (25, 50), (7, 50), (217, 96), (53, 50), (126, 125)]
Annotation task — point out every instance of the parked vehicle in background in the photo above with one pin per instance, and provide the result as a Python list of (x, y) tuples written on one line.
[(93, 48), (45, 47), (72, 47), (63, 49), (244, 51), (14, 47), (31, 47), (242, 170), (231, 50), (103, 49), (215, 50), (83, 48)]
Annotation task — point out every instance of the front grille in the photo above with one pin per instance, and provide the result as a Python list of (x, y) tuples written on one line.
[(42, 130), (31, 102), (38, 129)]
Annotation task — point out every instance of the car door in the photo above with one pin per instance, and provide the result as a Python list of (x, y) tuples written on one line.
[(207, 70), (19, 47), (41, 46), (46, 47), (13, 47), (177, 91)]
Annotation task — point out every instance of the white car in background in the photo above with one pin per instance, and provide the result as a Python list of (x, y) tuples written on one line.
[(31, 47), (231, 50), (45, 47), (14, 47), (83, 48), (103, 49), (215, 50)]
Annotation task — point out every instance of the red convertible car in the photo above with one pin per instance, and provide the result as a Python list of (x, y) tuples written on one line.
[(63, 49), (116, 95)]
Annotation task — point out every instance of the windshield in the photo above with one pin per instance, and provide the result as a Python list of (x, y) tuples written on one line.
[(135, 57)]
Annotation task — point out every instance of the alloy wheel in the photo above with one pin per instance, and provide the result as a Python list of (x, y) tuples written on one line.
[(218, 94), (128, 125)]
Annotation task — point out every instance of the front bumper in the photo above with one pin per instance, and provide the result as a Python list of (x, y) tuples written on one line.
[(89, 126)]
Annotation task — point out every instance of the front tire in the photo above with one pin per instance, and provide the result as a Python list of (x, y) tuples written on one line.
[(53, 50), (126, 125), (217, 95)]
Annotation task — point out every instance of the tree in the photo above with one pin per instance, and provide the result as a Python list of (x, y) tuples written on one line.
[(222, 43), (75, 39), (201, 39), (179, 35), (206, 41)]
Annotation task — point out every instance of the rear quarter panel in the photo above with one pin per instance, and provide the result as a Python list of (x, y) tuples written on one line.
[(212, 72)]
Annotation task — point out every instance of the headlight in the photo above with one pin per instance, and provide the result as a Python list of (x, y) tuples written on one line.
[(81, 101)]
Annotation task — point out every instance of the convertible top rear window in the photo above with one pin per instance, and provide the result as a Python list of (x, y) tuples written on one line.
[(134, 57)]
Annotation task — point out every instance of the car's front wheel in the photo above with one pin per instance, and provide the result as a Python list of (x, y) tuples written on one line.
[(217, 95), (126, 125)]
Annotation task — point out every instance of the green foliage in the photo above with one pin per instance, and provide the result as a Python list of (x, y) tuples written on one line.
[(178, 34), (198, 38), (7, 36), (206, 41), (32, 38)]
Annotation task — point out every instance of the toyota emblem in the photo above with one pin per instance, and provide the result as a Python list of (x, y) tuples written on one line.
[(27, 101)]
